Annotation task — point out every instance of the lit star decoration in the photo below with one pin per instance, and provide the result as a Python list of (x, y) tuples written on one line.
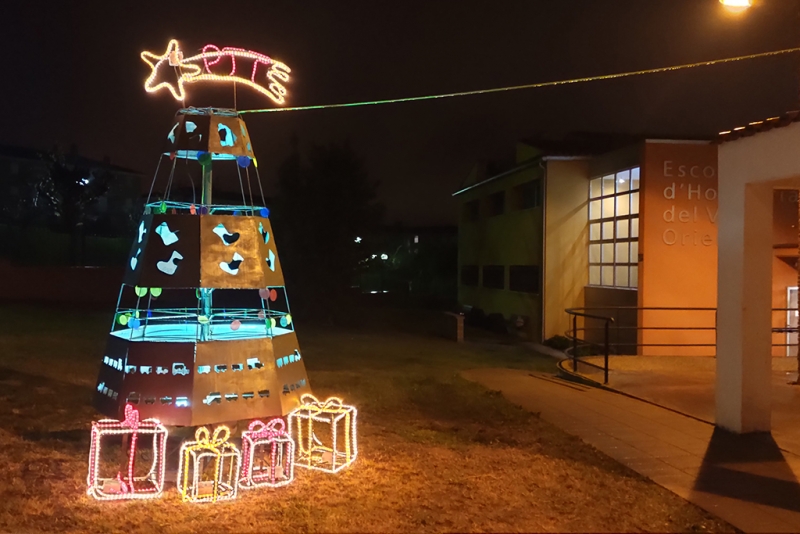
[(313, 453), (118, 487), (194, 459), (268, 441), (208, 66)]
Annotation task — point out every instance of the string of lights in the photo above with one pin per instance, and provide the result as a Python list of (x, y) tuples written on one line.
[(530, 86)]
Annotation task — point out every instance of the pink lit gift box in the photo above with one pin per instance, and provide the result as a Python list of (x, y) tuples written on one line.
[(267, 455), (209, 467), (325, 433), (123, 482)]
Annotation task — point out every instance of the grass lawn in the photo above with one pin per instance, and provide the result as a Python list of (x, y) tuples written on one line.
[(436, 453)]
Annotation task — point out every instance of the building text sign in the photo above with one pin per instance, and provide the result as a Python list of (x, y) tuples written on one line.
[(693, 196)]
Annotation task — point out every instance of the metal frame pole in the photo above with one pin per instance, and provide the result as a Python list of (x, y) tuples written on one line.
[(574, 343), (205, 294), (605, 381)]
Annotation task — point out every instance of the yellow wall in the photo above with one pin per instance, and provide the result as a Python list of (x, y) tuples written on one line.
[(566, 269), (513, 238)]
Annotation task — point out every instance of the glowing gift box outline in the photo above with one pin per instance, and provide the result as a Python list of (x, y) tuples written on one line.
[(219, 448), (132, 426), (272, 433), (331, 412)]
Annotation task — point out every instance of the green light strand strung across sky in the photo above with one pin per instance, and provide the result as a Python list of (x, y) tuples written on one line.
[(529, 86)]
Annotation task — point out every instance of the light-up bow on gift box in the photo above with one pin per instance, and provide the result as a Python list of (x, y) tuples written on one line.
[(272, 444), (209, 454), (338, 446), (127, 486)]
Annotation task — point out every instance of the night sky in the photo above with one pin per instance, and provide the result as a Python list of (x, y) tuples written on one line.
[(73, 75)]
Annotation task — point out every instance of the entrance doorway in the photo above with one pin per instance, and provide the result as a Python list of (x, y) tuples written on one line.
[(791, 321)]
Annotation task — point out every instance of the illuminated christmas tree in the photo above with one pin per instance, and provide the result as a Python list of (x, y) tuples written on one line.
[(203, 332)]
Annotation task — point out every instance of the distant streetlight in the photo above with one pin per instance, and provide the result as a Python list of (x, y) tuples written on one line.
[(736, 5)]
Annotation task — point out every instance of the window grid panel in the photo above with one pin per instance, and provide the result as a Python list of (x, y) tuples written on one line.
[(594, 210), (622, 228), (614, 229), (608, 185), (623, 181), (608, 231), (596, 188), (594, 275)]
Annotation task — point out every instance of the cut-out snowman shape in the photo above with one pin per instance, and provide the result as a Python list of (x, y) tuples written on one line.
[(227, 237), (232, 267), (167, 236), (135, 260), (264, 233), (170, 266)]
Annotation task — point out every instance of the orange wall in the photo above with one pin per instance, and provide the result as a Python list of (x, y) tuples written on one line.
[(678, 244), (783, 276)]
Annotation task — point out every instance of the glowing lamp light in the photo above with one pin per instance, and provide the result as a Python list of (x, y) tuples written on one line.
[(335, 419), (215, 65), (127, 486), (272, 445), (209, 453), (736, 5)]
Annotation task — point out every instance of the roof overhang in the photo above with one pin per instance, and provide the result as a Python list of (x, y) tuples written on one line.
[(519, 168)]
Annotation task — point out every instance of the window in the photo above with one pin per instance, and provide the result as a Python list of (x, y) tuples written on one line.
[(471, 212), (494, 276), (614, 229), (528, 195), (469, 275), (496, 204), (523, 278)]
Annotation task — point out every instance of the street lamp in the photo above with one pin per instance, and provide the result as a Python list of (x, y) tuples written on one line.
[(736, 5)]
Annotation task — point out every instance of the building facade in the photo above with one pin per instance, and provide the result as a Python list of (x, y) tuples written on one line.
[(629, 233)]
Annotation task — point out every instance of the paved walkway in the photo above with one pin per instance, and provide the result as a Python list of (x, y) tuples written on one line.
[(745, 480), (686, 384)]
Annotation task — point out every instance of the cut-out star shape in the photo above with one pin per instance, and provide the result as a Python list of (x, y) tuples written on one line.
[(161, 63)]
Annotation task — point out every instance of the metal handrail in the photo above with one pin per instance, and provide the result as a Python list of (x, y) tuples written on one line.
[(607, 321), (573, 333)]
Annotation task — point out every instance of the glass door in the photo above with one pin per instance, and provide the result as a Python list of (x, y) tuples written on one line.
[(791, 321)]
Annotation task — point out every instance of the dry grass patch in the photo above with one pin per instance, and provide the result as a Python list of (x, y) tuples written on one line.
[(436, 453)]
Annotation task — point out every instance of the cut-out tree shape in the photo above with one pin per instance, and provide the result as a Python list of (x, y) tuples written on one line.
[(203, 332)]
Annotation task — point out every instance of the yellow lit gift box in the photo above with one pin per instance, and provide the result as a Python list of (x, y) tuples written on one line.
[(325, 433), (209, 467)]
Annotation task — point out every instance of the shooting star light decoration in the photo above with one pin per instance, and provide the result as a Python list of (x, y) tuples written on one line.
[(215, 65)]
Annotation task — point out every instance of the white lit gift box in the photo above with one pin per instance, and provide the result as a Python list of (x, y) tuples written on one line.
[(267, 455), (123, 482), (209, 467), (325, 434)]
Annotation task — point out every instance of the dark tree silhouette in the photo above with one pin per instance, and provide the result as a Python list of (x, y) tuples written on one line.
[(324, 202), (69, 189)]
